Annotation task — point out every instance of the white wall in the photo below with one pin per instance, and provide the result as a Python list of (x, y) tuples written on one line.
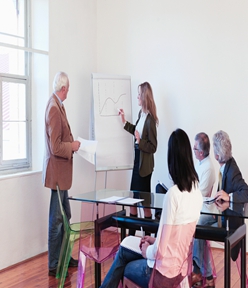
[(194, 54), (24, 218)]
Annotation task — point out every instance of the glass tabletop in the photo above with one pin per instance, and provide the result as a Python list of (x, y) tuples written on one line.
[(155, 201)]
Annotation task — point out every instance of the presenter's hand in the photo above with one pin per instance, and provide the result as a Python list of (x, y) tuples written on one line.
[(75, 145), (122, 113)]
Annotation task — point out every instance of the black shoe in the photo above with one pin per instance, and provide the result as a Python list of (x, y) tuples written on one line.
[(73, 263), (52, 272)]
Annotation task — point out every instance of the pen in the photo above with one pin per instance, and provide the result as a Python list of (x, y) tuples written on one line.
[(141, 228), (142, 232)]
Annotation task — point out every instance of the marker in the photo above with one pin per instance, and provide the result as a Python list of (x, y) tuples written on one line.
[(120, 111)]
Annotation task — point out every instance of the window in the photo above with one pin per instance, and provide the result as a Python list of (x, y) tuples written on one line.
[(14, 86), (15, 126), (24, 80)]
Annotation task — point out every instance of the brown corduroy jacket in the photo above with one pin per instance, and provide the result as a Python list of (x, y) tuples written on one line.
[(57, 165)]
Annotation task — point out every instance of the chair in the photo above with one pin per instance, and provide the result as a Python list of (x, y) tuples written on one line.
[(229, 239), (173, 261), (71, 233), (100, 243)]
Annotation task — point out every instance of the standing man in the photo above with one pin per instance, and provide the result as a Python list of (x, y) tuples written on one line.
[(206, 174), (57, 166)]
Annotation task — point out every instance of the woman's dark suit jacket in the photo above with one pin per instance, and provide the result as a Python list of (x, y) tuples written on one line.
[(147, 145)]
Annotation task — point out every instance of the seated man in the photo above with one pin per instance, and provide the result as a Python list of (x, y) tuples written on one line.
[(232, 187), (204, 168), (206, 174)]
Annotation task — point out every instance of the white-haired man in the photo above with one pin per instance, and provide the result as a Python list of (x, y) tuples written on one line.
[(57, 168)]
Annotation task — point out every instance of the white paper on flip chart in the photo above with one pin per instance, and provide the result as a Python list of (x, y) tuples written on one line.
[(87, 149)]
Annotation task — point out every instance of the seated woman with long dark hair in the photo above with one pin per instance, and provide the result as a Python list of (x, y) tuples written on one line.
[(182, 205)]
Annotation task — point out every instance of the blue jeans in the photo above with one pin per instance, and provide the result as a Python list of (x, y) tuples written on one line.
[(130, 264), (201, 254), (55, 230)]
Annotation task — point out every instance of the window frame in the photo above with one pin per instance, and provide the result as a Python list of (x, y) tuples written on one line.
[(25, 164)]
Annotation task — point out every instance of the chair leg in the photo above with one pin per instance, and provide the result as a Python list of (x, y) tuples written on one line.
[(66, 262), (208, 258), (62, 256), (81, 269), (238, 262)]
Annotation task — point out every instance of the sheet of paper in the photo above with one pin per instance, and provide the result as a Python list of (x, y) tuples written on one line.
[(121, 200), (132, 243), (112, 199), (87, 149), (129, 201)]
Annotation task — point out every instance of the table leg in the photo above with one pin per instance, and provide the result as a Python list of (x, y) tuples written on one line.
[(227, 276), (97, 275), (123, 233), (243, 262)]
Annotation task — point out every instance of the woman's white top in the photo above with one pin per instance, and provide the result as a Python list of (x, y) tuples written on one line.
[(178, 208), (140, 125)]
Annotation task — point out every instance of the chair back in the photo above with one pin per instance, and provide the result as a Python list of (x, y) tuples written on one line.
[(102, 241), (174, 256), (99, 236)]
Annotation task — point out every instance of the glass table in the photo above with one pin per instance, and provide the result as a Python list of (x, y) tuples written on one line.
[(232, 214)]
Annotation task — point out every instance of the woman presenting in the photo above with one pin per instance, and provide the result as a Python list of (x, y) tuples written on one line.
[(145, 144)]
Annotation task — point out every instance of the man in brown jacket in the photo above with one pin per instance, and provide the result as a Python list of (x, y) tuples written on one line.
[(57, 168)]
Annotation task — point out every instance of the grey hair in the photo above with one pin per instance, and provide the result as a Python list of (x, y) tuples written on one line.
[(203, 142), (60, 80), (222, 146)]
